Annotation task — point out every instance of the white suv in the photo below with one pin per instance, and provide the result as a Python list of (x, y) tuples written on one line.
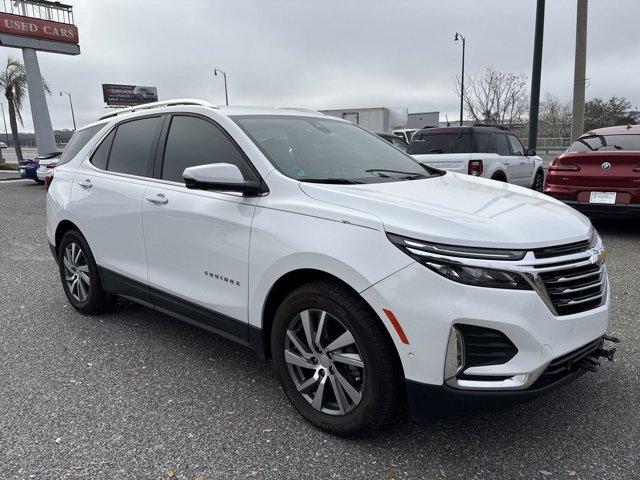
[(481, 151), (367, 278)]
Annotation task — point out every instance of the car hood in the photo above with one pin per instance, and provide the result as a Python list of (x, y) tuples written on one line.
[(462, 210)]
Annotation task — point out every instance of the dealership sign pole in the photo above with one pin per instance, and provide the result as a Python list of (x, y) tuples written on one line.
[(38, 25)]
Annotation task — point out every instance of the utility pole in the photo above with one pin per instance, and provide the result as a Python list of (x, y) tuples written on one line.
[(458, 35), (580, 71), (534, 106)]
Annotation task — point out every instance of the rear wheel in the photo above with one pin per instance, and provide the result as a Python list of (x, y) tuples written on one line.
[(80, 277), (335, 360), (499, 177), (538, 181)]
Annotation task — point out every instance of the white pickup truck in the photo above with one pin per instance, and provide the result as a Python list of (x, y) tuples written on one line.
[(481, 151)]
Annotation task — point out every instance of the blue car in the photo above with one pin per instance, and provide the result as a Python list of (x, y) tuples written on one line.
[(28, 167)]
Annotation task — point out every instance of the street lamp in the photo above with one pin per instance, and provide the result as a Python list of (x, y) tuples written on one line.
[(73, 117), (456, 38), (6, 134), (226, 95)]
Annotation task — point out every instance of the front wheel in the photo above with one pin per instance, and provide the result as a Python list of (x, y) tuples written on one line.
[(334, 359), (538, 181)]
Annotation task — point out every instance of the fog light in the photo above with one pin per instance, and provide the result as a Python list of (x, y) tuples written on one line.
[(454, 361)]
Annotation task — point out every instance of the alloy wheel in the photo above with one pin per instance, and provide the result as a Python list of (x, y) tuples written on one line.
[(324, 362), (538, 182), (76, 272)]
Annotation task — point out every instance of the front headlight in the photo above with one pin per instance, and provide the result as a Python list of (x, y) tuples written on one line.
[(429, 255), (480, 277)]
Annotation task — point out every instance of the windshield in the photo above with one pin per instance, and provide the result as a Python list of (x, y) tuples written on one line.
[(606, 143), (450, 142), (329, 151)]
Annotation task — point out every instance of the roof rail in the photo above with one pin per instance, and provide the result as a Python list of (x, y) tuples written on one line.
[(164, 103), (302, 110)]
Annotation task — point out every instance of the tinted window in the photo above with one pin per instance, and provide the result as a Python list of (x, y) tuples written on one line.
[(78, 140), (606, 142), (453, 142), (193, 141), (516, 146), (502, 146), (484, 143), (101, 155), (398, 142), (131, 149), (324, 150)]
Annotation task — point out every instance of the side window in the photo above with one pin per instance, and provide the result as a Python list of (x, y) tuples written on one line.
[(101, 155), (193, 141), (78, 140), (502, 145), (484, 143), (516, 146), (131, 149)]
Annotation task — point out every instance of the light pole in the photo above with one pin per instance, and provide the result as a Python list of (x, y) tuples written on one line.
[(73, 117), (456, 38), (226, 95), (5, 123)]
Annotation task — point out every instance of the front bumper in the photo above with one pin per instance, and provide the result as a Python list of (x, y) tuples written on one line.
[(426, 306), (431, 401)]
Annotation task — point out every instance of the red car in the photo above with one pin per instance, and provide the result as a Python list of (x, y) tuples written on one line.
[(600, 173)]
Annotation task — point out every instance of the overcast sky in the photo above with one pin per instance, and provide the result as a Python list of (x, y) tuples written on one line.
[(331, 54)]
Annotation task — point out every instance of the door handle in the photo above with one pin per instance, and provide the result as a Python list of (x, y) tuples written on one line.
[(159, 199), (85, 183), (507, 163)]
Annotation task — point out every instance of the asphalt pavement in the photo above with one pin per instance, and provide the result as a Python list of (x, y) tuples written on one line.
[(137, 394)]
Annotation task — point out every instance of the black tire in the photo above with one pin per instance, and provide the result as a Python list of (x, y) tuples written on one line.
[(97, 300), (39, 182), (538, 181), (382, 384), (499, 177)]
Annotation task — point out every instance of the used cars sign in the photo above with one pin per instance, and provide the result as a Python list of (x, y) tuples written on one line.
[(37, 28)]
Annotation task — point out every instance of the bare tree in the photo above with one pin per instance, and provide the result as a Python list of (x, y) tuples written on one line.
[(555, 117), (495, 97)]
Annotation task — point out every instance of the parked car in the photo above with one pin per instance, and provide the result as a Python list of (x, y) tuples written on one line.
[(481, 151), (364, 275), (405, 133), (600, 172), (28, 169), (46, 164), (394, 140), (3, 145)]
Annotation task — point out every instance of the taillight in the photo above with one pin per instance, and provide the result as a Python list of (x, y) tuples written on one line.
[(475, 168), (48, 179), (557, 166)]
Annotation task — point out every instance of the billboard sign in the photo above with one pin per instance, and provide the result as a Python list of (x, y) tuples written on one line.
[(40, 29), (128, 95)]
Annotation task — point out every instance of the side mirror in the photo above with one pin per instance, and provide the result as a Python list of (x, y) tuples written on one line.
[(222, 177), (530, 152)]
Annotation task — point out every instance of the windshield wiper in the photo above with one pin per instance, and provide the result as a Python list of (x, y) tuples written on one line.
[(407, 175), (344, 181)]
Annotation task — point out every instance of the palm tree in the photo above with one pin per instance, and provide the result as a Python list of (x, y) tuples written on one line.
[(13, 82)]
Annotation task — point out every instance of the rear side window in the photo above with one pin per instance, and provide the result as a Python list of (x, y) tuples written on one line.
[(426, 143), (78, 140), (194, 141), (101, 155), (131, 149), (502, 145), (484, 143)]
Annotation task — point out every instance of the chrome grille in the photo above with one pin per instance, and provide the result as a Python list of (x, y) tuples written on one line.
[(575, 289)]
